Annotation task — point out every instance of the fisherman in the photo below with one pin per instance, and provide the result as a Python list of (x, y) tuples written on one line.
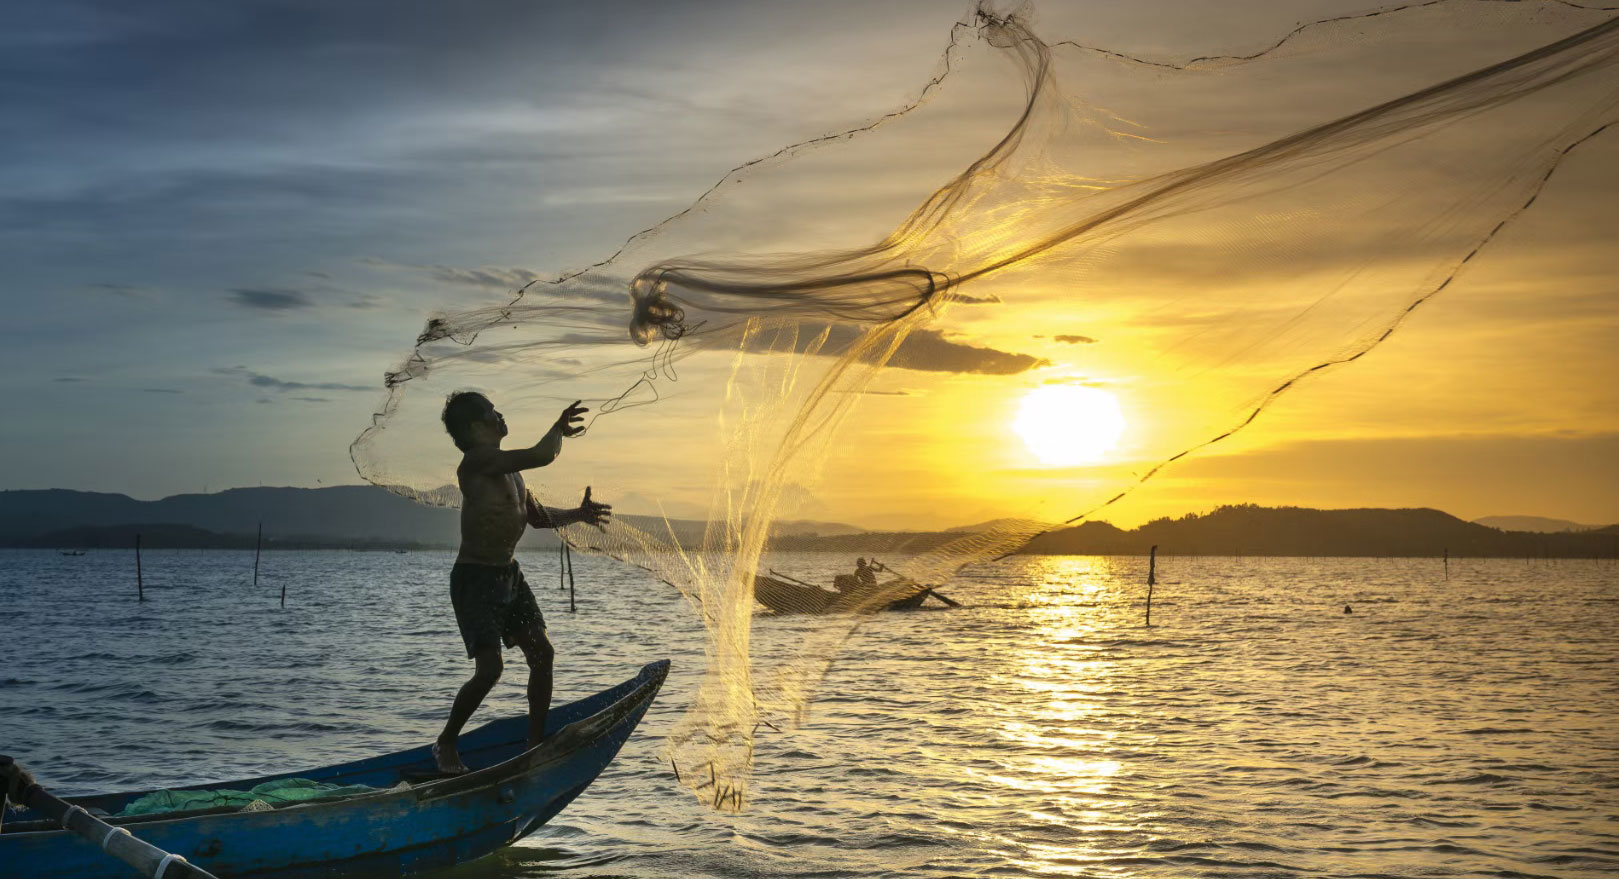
[(861, 580), (493, 603), (867, 572)]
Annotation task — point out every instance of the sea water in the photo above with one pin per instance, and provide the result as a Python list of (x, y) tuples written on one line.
[(1466, 726)]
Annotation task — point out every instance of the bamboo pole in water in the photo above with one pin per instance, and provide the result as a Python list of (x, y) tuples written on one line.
[(1447, 563), (568, 554), (257, 548), (140, 587), (1152, 578)]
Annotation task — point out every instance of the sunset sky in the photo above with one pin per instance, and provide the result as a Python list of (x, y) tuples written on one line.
[(223, 222)]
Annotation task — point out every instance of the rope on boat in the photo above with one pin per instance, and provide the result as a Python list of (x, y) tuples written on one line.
[(105, 840)]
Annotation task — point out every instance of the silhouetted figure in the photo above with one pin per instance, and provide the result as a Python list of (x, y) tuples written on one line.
[(1347, 609), (863, 578), (867, 573), (492, 602)]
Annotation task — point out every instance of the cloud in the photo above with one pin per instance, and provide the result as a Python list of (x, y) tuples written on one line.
[(161, 391), (268, 382), (1075, 340), (929, 351), (132, 291), (67, 379), (486, 276), (965, 299), (268, 299), (594, 286), (509, 279), (876, 393)]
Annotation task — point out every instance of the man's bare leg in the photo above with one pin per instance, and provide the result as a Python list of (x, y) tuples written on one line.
[(467, 700), (539, 653)]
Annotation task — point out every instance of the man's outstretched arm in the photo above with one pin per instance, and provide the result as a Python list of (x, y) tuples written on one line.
[(500, 461), (588, 512)]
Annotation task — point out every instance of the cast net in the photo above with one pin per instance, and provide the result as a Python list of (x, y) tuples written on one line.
[(846, 329)]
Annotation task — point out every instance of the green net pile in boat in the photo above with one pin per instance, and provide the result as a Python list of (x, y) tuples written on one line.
[(273, 793)]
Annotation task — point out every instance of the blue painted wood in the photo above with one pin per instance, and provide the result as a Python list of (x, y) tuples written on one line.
[(509, 793)]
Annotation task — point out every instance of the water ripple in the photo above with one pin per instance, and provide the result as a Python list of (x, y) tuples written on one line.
[(1451, 728)]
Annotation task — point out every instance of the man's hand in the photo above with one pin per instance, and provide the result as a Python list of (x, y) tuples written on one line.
[(570, 423), (593, 513)]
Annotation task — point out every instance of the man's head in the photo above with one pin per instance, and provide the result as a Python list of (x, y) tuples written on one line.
[(472, 420), (860, 563)]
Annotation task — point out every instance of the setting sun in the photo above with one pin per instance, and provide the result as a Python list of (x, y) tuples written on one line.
[(1066, 425)]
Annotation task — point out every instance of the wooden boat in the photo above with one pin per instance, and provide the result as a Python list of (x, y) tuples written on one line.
[(783, 596), (403, 828)]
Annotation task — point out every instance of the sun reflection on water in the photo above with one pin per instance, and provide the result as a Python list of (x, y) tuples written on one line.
[(1062, 751)]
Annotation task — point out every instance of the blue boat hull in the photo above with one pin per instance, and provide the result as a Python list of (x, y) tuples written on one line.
[(423, 826)]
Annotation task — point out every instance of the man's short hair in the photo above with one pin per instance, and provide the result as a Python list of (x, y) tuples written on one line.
[(463, 409)]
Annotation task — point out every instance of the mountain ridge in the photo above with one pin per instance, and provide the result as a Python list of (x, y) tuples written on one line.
[(368, 517), (1537, 524), (1247, 529)]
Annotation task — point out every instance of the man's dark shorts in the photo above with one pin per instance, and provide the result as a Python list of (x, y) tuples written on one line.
[(492, 604)]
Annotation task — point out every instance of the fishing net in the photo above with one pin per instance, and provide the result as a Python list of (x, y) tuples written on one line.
[(1125, 258), (255, 799)]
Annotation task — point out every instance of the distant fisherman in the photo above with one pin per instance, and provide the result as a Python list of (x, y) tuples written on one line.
[(492, 601), (866, 573)]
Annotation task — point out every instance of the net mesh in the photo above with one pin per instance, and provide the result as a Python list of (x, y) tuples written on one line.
[(844, 329)]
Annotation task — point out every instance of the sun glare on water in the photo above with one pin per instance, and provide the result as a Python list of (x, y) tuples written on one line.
[(1068, 425)]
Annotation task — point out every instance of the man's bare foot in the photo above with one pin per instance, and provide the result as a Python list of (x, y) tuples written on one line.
[(448, 760)]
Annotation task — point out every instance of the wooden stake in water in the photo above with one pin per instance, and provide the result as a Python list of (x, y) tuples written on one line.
[(257, 548), (1447, 563), (140, 587), (568, 555), (1152, 578)]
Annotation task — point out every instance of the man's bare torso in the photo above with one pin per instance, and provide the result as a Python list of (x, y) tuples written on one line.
[(494, 512)]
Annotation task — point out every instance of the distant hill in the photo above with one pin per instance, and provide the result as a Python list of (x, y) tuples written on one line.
[(1536, 524), (350, 515), (367, 517), (162, 535), (1296, 531), (811, 528), (901, 542), (357, 515), (977, 527), (154, 535)]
